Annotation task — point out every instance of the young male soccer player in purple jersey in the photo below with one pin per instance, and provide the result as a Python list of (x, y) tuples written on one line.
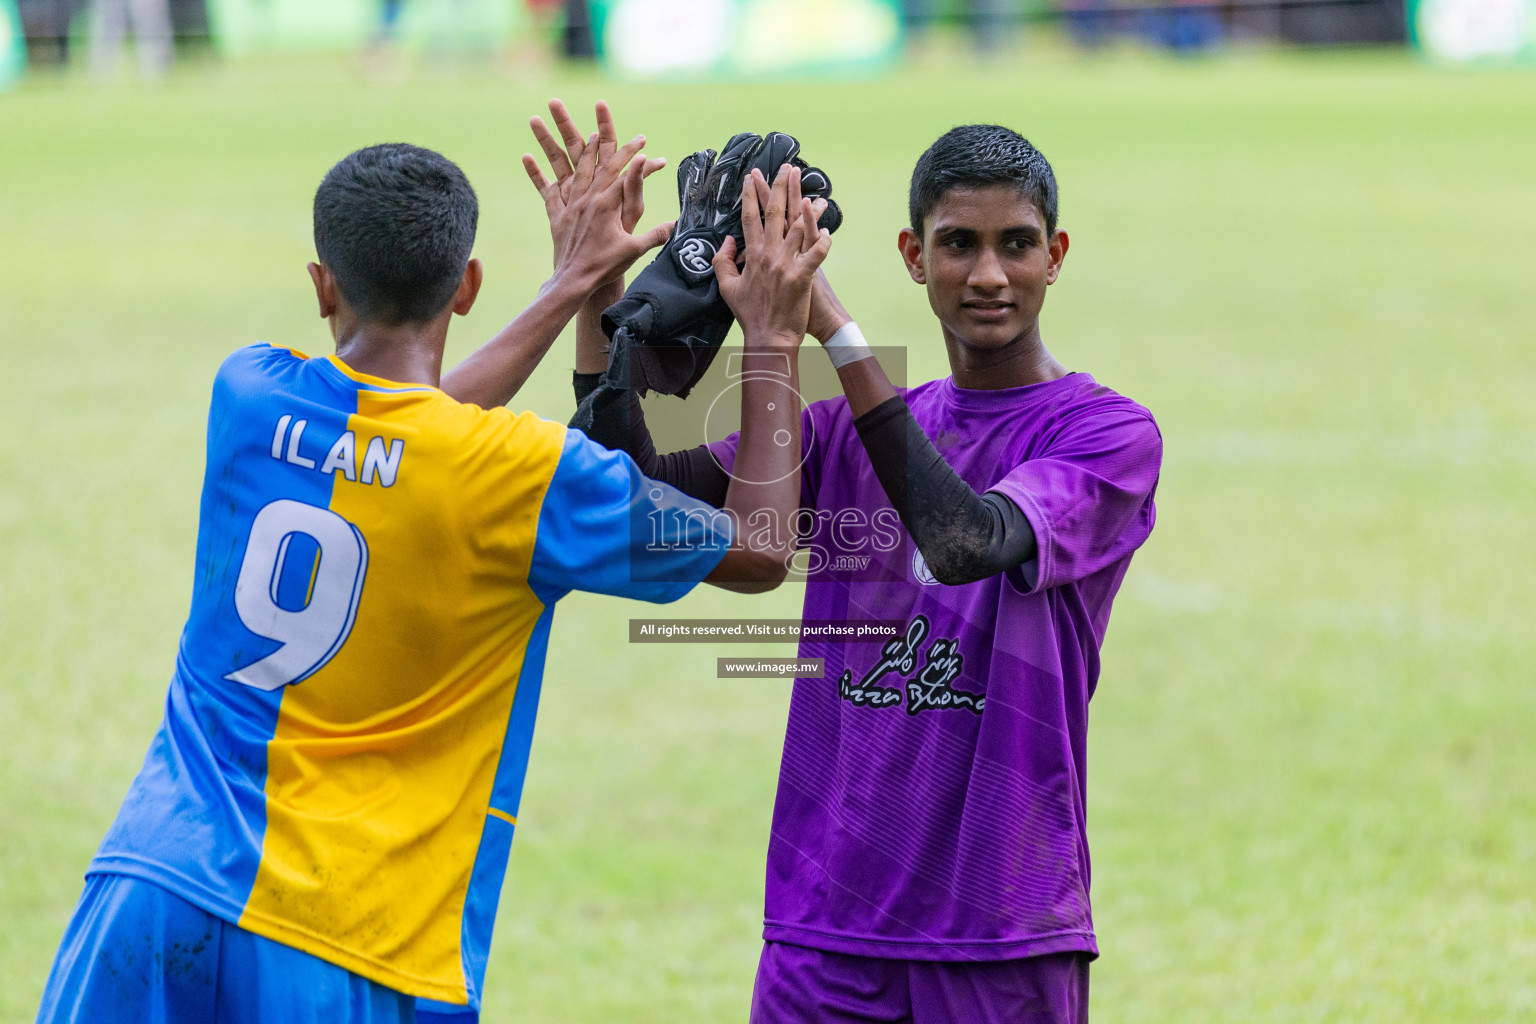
[(928, 860), (320, 829)]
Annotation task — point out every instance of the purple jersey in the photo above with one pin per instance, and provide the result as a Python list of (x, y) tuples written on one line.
[(931, 797)]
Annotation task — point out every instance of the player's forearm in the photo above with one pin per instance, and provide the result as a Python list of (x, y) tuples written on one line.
[(865, 384), (863, 378), (764, 491), (591, 342), (494, 372), (964, 536)]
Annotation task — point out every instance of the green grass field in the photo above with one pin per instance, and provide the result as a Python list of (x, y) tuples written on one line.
[(1313, 767)]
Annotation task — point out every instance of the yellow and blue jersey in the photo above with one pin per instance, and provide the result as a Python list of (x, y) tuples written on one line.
[(348, 724)]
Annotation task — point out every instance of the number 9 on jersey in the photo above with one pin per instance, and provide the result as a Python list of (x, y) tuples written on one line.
[(327, 556)]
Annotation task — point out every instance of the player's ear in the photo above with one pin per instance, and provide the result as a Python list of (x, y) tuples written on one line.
[(469, 287), (325, 289), (1058, 252), (911, 246)]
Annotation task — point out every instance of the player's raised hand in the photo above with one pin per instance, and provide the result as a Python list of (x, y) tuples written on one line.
[(592, 243), (564, 155), (770, 294)]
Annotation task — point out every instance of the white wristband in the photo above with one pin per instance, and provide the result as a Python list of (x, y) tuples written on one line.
[(847, 345)]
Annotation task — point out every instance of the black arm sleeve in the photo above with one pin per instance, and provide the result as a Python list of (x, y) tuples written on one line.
[(964, 536), (618, 423)]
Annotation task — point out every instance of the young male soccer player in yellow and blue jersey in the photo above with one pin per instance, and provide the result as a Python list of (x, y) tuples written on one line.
[(321, 826)]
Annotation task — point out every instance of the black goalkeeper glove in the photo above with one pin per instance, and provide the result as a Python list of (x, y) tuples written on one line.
[(666, 329)]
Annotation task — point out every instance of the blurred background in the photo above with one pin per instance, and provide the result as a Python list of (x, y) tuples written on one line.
[(1302, 234), (652, 37)]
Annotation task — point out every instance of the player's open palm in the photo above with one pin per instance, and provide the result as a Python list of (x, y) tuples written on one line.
[(594, 180), (770, 294), (564, 154)]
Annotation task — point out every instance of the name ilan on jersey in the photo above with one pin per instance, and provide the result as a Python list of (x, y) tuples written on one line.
[(379, 464)]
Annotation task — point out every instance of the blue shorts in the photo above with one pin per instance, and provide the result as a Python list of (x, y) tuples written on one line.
[(797, 985), (135, 953)]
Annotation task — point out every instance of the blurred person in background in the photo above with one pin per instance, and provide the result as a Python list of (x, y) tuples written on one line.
[(381, 46), (1354, 24), (45, 23), (151, 21), (1185, 26), (189, 24), (577, 41), (989, 21), (389, 23), (1179, 26), (1090, 23)]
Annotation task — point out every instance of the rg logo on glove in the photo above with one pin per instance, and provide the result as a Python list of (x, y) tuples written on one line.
[(694, 258)]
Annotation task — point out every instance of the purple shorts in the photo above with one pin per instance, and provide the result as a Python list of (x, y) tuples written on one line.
[(797, 985)]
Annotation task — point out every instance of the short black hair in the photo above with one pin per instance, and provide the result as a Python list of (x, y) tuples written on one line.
[(395, 223), (975, 156)]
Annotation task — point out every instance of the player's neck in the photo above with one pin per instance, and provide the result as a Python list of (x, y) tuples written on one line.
[(407, 353), (1024, 360)]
